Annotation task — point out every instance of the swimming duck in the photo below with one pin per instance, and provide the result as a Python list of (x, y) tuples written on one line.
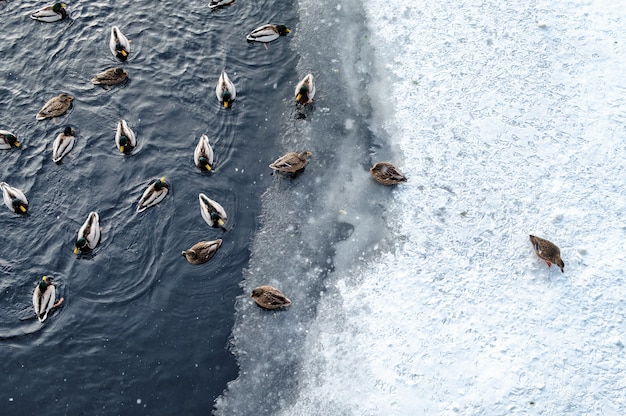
[(267, 33), (124, 137), (203, 155), (202, 251), (62, 145), (44, 296), (305, 90), (88, 234), (119, 44), (14, 199), (291, 162), (214, 4), (212, 212), (547, 251), (268, 297), (8, 140), (153, 194), (50, 14), (110, 76), (55, 106), (386, 173), (225, 90)]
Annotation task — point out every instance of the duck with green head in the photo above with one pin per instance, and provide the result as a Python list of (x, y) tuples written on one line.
[(203, 154), (154, 193), (119, 44), (125, 139), (14, 199), (225, 90), (267, 33), (88, 234), (8, 140), (305, 90), (212, 212), (50, 14), (44, 297)]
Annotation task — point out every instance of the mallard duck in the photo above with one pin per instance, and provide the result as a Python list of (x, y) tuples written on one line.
[(305, 90), (8, 140), (212, 212), (125, 139), (154, 193), (214, 4), (386, 173), (50, 14), (111, 76), (44, 296), (14, 199), (268, 297), (203, 155), (547, 251), (267, 33), (88, 234), (62, 145), (202, 251), (225, 90), (55, 106), (119, 44), (291, 162)]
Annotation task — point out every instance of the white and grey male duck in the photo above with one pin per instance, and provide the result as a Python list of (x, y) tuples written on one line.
[(154, 193), (225, 90), (212, 212), (305, 90), (119, 44), (44, 297), (63, 144), (8, 140), (203, 154), (267, 33), (125, 138), (215, 4), (49, 14), (89, 233), (14, 199)]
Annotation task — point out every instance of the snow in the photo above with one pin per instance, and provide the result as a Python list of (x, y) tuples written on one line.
[(511, 119)]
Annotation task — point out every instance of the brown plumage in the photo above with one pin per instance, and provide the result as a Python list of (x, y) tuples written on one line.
[(202, 251), (268, 297), (387, 174), (547, 251), (111, 76), (55, 106), (291, 162)]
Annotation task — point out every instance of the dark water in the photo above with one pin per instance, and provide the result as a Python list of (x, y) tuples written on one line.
[(141, 330)]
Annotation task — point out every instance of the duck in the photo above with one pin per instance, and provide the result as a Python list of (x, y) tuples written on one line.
[(214, 4), (8, 140), (225, 90), (56, 106), (305, 90), (154, 193), (125, 139), (212, 212), (386, 173), (547, 251), (203, 155), (44, 297), (62, 145), (267, 33), (14, 199), (202, 251), (88, 234), (111, 76), (119, 44), (50, 14), (269, 297), (291, 162)]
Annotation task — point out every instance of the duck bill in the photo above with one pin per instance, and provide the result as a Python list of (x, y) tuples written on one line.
[(225, 104), (23, 209), (76, 250), (298, 97), (207, 167), (121, 149), (220, 222), (17, 144)]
